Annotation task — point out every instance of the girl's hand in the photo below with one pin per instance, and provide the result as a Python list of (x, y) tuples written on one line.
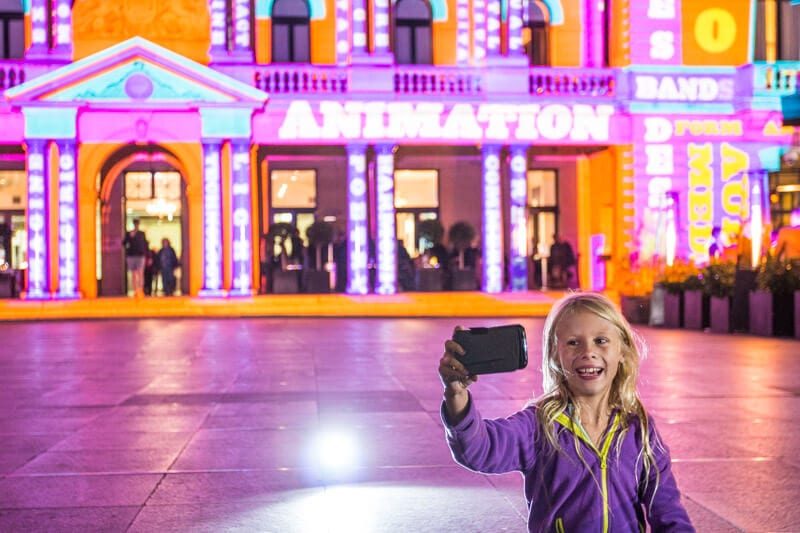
[(456, 379)]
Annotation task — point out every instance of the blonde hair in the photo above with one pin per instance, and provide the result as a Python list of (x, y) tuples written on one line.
[(623, 397)]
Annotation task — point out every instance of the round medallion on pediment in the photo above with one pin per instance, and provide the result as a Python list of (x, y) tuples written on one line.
[(139, 86)]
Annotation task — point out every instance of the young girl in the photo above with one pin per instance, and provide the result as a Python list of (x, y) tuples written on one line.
[(590, 453)]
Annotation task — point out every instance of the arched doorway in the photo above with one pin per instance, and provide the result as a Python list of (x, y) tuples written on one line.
[(146, 183)]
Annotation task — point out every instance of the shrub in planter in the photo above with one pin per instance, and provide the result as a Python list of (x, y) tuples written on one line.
[(718, 285), (772, 304)]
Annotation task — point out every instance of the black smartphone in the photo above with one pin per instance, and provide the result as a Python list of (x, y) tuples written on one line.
[(494, 349)]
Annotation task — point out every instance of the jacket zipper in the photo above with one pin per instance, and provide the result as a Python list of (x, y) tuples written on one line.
[(568, 423)]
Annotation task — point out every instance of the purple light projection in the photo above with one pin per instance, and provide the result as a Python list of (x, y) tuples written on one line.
[(493, 28), (518, 220), (342, 31), (212, 220), (359, 27), (242, 219), (462, 32), (492, 230), (655, 38), (38, 225), (479, 32), (241, 26), (357, 253), (38, 28), (381, 30), (63, 29), (67, 221), (387, 235), (515, 27), (219, 48)]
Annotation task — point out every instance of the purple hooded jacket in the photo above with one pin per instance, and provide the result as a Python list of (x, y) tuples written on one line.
[(564, 495)]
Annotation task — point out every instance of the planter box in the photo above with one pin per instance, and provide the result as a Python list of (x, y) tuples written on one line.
[(696, 310), (673, 310), (317, 282), (464, 280), (430, 279), (720, 314), (635, 309), (771, 314), (286, 281)]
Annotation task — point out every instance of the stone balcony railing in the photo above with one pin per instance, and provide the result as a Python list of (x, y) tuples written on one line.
[(775, 79), (766, 79), (12, 73)]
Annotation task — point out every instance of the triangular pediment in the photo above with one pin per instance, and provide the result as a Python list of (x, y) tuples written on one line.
[(136, 73)]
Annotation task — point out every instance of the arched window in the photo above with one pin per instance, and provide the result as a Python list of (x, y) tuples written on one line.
[(535, 36), (291, 35), (776, 36), (12, 30), (413, 41)]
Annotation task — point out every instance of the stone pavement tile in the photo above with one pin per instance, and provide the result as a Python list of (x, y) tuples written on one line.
[(724, 474), (690, 441), (384, 499), (67, 519), (100, 461), (771, 510), (300, 511), (11, 461), (123, 439), (231, 486), (150, 419), (76, 490), (29, 442), (705, 521)]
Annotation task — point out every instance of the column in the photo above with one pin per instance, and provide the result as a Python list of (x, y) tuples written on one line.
[(381, 27), (342, 31), (518, 220), (39, 47), (515, 16), (62, 30), (67, 220), (212, 220), (241, 220), (357, 244), (492, 228), (219, 31), (493, 28), (386, 247), (38, 220), (359, 27), (242, 24)]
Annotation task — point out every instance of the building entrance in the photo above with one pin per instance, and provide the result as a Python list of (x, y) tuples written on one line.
[(149, 189)]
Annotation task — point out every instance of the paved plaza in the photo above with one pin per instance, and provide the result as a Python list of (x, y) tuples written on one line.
[(332, 425)]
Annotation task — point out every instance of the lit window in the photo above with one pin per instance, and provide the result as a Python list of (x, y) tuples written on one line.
[(416, 188), (293, 189)]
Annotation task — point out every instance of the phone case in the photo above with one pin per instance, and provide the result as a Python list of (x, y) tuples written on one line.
[(493, 350)]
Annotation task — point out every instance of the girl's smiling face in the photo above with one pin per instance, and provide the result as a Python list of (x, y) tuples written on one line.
[(589, 350)]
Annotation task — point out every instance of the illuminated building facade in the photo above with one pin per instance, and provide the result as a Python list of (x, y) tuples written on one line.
[(605, 122)]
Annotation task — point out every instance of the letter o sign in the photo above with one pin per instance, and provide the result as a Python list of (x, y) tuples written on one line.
[(715, 30)]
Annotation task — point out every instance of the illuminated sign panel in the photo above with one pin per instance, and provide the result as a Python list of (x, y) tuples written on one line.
[(241, 240), (212, 220), (218, 25), (241, 13), (492, 234), (387, 236), (421, 122), (518, 219), (357, 258)]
